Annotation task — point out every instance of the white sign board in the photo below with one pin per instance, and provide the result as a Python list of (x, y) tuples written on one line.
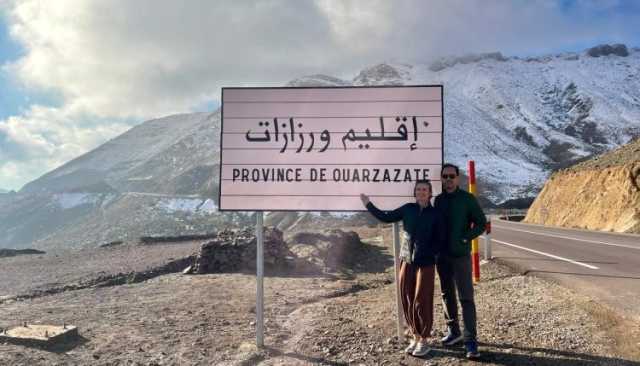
[(317, 149)]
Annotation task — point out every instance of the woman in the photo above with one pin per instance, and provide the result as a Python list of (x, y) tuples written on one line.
[(423, 226)]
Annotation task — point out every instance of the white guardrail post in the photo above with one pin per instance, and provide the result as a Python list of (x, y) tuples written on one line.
[(487, 242)]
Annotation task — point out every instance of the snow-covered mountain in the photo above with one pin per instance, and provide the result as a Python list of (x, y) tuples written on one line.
[(158, 178), (518, 118), (172, 155)]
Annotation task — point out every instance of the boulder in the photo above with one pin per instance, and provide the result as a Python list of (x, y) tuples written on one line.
[(306, 253), (235, 251), (605, 50), (331, 250)]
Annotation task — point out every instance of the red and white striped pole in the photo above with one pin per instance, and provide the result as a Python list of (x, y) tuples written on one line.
[(475, 255)]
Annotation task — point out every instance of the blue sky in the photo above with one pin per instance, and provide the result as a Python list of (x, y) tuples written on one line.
[(75, 73), (599, 14), (15, 97), (11, 97)]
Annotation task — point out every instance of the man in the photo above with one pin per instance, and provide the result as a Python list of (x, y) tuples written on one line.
[(464, 222)]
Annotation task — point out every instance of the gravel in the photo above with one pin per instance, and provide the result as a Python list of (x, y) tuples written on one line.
[(310, 320)]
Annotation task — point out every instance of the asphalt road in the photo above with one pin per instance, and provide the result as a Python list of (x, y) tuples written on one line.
[(605, 266)]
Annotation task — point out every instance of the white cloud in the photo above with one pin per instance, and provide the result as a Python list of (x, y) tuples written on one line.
[(47, 137), (358, 26), (134, 60), (151, 58)]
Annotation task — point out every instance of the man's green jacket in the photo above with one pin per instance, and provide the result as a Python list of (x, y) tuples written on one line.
[(464, 220)]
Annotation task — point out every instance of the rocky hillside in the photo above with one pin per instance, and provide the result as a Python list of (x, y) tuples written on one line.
[(173, 155), (602, 193), (519, 119)]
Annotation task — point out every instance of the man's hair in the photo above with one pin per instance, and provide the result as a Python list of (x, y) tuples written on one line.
[(449, 165), (422, 181)]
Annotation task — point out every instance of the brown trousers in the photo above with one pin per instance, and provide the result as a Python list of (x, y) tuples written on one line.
[(416, 290)]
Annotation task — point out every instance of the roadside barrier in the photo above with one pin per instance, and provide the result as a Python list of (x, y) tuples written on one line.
[(487, 242)]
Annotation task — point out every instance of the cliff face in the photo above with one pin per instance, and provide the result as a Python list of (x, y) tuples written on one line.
[(600, 194)]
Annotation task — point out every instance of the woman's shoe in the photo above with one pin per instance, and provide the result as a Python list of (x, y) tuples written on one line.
[(411, 347), (421, 349)]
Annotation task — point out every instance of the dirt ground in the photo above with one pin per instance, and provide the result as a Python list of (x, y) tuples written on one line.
[(28, 274), (340, 319)]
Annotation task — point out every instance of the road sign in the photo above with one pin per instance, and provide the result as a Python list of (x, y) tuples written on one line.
[(317, 149)]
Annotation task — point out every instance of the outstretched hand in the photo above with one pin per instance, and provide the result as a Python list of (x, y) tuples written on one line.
[(364, 198)]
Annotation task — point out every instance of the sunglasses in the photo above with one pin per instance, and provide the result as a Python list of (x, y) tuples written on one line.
[(449, 176)]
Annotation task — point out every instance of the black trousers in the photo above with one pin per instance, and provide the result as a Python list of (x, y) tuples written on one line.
[(455, 274)]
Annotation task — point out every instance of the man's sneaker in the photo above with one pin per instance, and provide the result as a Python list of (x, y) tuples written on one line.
[(422, 348), (411, 347), (452, 339), (472, 349)]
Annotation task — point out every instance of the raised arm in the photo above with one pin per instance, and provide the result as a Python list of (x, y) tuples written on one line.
[(384, 216)]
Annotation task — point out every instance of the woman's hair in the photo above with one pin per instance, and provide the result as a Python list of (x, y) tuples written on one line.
[(422, 181)]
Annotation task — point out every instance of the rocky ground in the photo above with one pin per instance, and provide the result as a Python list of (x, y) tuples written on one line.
[(31, 274), (340, 318)]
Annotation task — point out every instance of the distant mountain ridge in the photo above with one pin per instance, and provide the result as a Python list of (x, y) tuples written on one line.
[(518, 118), (521, 118), (170, 155)]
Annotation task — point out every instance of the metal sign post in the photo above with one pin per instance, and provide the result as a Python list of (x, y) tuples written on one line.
[(259, 280), (396, 265)]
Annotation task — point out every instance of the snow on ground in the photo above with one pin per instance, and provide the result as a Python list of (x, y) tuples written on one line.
[(338, 214), (70, 200), (188, 205), (208, 206)]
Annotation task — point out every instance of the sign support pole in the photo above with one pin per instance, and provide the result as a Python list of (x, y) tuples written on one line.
[(259, 281), (396, 265)]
